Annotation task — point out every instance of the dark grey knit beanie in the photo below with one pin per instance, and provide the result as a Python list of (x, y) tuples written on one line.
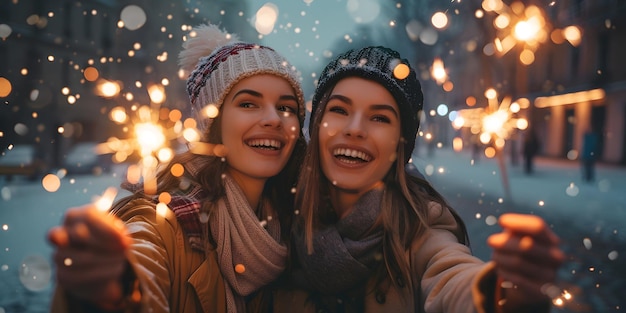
[(378, 64)]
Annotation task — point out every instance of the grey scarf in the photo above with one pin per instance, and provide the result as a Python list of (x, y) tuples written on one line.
[(345, 254)]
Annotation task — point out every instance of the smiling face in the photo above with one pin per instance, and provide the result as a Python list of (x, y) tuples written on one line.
[(358, 135), (259, 126)]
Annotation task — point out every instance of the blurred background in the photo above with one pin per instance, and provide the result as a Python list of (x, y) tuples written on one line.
[(524, 111)]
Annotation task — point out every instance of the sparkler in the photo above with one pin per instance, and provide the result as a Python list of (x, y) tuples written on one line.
[(526, 27), (494, 125), (104, 202)]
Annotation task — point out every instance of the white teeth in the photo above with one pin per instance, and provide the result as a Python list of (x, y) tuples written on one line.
[(352, 153), (265, 143)]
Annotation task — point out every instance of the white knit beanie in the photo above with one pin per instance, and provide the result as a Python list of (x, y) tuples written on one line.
[(217, 61)]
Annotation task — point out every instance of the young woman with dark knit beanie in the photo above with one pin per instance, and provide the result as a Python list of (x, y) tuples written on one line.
[(369, 237), (223, 236)]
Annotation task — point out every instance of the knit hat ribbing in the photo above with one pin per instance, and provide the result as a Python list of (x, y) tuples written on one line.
[(378, 64), (217, 61)]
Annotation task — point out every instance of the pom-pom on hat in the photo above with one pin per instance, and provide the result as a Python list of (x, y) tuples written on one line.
[(386, 67), (217, 60)]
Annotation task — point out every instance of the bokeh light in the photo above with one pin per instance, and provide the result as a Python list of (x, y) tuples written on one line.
[(5, 87), (133, 17), (35, 273), (51, 183)]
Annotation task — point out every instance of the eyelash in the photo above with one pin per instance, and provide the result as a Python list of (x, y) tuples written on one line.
[(376, 118), (282, 108), (246, 104), (287, 108)]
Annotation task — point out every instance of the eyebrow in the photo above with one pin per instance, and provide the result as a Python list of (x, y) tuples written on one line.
[(260, 95), (382, 106)]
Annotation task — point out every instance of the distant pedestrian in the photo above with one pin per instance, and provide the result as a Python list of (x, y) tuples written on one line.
[(477, 147), (589, 154), (530, 149)]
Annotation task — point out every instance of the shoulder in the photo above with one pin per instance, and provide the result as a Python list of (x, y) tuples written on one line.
[(143, 218), (442, 217)]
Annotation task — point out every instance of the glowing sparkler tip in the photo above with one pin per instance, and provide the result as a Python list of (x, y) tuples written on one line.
[(104, 202)]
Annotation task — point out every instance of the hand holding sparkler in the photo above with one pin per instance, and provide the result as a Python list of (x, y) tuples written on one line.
[(90, 252), (527, 259)]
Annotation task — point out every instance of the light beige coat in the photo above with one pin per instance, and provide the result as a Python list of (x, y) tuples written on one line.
[(450, 278)]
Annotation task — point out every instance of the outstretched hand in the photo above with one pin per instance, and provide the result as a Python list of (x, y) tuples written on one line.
[(90, 254), (527, 257)]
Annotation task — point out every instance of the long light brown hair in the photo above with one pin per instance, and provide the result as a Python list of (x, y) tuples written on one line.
[(404, 205)]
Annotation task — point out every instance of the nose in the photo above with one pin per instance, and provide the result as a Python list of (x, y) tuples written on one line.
[(355, 127), (271, 117)]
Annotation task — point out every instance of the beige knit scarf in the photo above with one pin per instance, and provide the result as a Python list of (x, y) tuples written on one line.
[(244, 243)]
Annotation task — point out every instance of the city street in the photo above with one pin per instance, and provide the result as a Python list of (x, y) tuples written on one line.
[(589, 218)]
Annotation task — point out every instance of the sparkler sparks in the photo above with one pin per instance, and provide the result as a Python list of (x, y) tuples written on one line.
[(104, 202), (525, 27)]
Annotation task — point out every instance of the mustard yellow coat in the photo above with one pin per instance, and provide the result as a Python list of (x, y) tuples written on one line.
[(172, 277)]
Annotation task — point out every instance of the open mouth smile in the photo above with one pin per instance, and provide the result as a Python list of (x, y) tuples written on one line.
[(267, 144), (351, 155)]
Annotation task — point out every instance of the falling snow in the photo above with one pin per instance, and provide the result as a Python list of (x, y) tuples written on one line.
[(117, 87)]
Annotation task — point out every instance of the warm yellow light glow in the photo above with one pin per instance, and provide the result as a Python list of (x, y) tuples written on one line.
[(108, 89), (211, 111), (494, 122), (470, 101), (157, 93), (161, 209), (91, 74), (149, 137), (191, 134), (118, 115), (5, 87), (165, 197), (515, 107), (165, 154), (438, 71), (175, 115), (492, 5), (265, 18), (521, 123), (502, 21), (401, 71), (527, 57), (485, 138), (51, 183), (190, 123), (458, 122), (527, 30), (104, 202), (457, 144), (557, 36), (573, 35), (570, 98), (133, 174), (490, 152), (439, 20), (177, 170)]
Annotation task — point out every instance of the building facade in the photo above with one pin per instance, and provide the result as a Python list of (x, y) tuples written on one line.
[(52, 105)]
